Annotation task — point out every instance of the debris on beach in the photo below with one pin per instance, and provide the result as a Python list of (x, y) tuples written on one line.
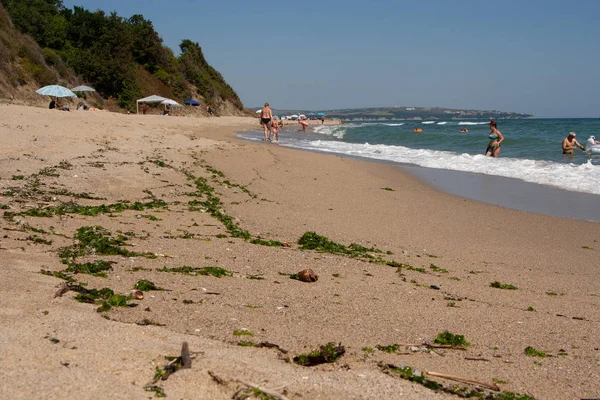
[(250, 389), (326, 354), (308, 275), (477, 388), (182, 362)]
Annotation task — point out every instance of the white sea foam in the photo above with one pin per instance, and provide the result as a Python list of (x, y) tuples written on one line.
[(472, 123), (428, 122), (337, 131), (583, 178), (400, 124), (442, 123)]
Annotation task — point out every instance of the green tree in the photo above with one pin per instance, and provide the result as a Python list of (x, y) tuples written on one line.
[(42, 19)]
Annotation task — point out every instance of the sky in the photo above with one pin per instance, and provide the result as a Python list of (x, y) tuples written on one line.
[(531, 56)]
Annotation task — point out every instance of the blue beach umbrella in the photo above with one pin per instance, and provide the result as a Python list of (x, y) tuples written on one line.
[(56, 91), (191, 103), (321, 114), (311, 113)]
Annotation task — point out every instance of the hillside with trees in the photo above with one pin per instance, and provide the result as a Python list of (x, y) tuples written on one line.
[(124, 59)]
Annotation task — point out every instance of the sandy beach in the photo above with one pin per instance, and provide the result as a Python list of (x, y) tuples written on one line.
[(180, 194)]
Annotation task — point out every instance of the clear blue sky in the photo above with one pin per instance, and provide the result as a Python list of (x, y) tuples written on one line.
[(533, 56)]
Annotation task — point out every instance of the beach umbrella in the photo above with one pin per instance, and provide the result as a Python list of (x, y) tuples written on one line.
[(311, 113), (302, 116), (191, 102), (294, 116), (169, 102), (275, 116), (83, 88), (56, 91), (321, 114)]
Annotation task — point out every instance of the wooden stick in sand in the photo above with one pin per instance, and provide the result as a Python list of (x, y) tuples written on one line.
[(268, 392), (491, 386)]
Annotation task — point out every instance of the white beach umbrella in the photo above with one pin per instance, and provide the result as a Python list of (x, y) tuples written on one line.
[(83, 88), (169, 102), (257, 111), (56, 91)]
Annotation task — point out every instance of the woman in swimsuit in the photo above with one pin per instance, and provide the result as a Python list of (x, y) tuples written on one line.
[(496, 137), (265, 119)]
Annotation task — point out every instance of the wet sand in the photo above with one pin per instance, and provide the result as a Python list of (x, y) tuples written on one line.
[(61, 348)]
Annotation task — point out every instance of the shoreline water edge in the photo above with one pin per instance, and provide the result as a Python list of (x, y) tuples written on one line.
[(125, 236), (569, 189)]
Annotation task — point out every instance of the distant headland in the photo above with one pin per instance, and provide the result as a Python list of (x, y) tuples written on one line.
[(413, 113)]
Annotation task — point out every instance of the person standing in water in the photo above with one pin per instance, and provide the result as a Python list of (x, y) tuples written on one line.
[(496, 137), (275, 130), (266, 115), (569, 143)]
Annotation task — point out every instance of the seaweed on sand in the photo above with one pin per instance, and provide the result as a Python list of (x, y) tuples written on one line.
[(325, 354)]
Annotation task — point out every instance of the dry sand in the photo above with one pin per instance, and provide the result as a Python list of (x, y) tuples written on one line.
[(60, 348)]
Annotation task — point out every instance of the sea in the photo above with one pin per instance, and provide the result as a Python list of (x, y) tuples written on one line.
[(531, 151)]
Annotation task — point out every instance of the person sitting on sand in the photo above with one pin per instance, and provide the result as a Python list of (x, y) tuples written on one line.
[(496, 137), (569, 143), (266, 115), (52, 104)]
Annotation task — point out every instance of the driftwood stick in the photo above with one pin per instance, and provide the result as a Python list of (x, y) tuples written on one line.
[(433, 346), (186, 360), (491, 386), (268, 392), (217, 378), (61, 290)]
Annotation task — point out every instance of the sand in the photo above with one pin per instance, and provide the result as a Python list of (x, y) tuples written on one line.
[(56, 347)]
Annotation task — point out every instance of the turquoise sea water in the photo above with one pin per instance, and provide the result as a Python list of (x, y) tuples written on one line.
[(531, 151)]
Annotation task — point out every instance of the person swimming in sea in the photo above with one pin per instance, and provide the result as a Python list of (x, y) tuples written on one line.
[(496, 137)]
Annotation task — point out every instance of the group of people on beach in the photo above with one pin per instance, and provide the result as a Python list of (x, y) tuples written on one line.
[(568, 144), (270, 126)]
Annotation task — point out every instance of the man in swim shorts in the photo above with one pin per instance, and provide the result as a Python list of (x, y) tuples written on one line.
[(569, 143), (266, 115)]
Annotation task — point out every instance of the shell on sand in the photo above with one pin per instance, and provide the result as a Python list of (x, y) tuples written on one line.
[(137, 294), (308, 275)]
